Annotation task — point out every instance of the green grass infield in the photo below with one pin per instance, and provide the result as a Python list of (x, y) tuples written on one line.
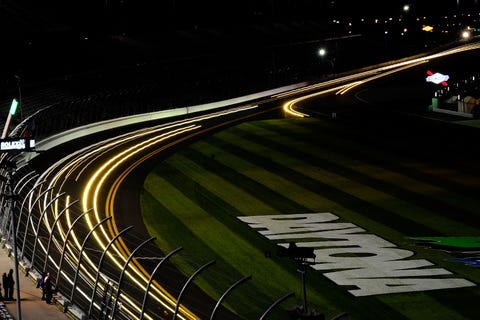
[(387, 194)]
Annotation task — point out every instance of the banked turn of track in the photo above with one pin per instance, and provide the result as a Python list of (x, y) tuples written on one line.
[(89, 179)]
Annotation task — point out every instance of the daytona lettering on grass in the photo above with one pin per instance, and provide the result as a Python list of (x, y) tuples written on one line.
[(354, 257)]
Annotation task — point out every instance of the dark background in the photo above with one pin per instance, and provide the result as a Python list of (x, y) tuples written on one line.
[(55, 37), (56, 50)]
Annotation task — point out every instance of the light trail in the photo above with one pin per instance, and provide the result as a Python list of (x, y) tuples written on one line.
[(288, 106), (77, 166), (359, 79)]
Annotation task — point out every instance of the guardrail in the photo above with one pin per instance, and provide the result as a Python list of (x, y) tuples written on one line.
[(56, 243)]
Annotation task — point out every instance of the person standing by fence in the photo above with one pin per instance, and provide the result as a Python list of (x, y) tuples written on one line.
[(48, 288), (41, 284), (5, 285), (10, 285)]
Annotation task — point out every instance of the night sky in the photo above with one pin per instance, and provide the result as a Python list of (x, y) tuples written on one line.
[(54, 30), (174, 13)]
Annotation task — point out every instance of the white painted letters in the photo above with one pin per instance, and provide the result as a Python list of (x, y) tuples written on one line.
[(351, 257)]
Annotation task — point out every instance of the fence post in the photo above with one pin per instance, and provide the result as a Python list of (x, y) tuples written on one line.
[(120, 280), (100, 267), (186, 285), (30, 209), (17, 227), (79, 263), (151, 279), (51, 232), (65, 245), (285, 297), (37, 230), (219, 302)]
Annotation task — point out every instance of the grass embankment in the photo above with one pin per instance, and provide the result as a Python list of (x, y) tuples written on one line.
[(390, 188)]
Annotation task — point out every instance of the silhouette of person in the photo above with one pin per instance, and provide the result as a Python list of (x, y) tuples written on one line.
[(5, 285), (48, 287), (10, 284), (41, 285)]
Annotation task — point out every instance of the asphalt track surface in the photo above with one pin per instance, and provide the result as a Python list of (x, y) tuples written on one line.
[(393, 112), (126, 204), (374, 107)]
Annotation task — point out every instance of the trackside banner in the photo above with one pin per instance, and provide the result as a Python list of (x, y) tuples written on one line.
[(349, 256), (17, 144)]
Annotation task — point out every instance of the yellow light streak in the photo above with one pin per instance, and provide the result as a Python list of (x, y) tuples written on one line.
[(81, 160), (288, 106), (59, 173)]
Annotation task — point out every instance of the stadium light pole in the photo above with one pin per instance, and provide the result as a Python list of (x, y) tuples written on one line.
[(11, 113), (19, 94), (406, 13), (322, 52)]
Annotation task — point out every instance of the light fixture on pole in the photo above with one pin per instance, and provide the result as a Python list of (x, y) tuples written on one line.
[(11, 113)]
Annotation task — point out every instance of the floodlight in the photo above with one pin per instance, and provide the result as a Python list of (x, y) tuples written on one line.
[(13, 107)]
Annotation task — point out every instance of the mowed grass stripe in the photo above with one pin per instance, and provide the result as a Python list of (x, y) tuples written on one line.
[(410, 304), (254, 180), (215, 200), (231, 193), (393, 236), (276, 182), (367, 160), (418, 166), (409, 228), (359, 302), (427, 141), (239, 170), (209, 239), (423, 199), (346, 153), (332, 298), (396, 159), (223, 159), (454, 303), (213, 160), (272, 155), (370, 202), (171, 232), (176, 192), (463, 301), (408, 164)]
